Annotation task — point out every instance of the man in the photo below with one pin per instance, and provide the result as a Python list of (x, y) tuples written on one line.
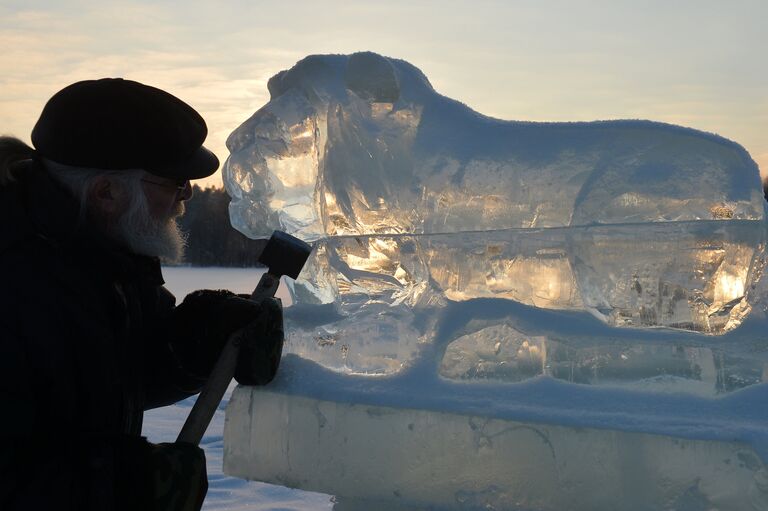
[(89, 337)]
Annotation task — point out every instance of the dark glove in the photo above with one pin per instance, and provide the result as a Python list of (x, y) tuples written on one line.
[(262, 345), (161, 477), (202, 324), (206, 319)]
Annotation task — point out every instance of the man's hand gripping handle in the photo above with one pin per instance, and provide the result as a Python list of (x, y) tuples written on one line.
[(283, 255)]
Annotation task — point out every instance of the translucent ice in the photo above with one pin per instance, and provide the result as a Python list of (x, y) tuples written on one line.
[(362, 145), (416, 201), (423, 459), (468, 272)]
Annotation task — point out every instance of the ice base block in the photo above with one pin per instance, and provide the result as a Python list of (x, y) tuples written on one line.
[(581, 448)]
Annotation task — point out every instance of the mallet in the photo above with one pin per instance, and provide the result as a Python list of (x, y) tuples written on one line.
[(282, 255)]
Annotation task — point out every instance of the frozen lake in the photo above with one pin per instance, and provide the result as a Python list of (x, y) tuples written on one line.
[(163, 424)]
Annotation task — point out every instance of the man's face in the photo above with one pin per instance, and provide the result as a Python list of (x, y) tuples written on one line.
[(148, 225), (165, 197)]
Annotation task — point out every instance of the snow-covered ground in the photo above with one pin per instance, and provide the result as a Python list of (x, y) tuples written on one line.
[(163, 424)]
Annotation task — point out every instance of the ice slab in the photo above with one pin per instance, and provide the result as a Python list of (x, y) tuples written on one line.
[(690, 275), (491, 339), (542, 445)]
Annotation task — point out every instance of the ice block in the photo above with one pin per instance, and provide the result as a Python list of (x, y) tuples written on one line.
[(547, 447)]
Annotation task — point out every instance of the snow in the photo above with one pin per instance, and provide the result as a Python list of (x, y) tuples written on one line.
[(163, 424)]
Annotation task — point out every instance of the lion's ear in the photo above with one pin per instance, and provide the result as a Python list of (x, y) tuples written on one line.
[(372, 78)]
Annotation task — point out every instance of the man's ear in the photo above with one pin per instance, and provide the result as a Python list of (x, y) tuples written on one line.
[(104, 198)]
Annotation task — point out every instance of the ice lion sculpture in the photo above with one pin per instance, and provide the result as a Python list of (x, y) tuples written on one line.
[(471, 275), (418, 204), (363, 145)]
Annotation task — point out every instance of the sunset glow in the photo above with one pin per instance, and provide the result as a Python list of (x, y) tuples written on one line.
[(697, 64)]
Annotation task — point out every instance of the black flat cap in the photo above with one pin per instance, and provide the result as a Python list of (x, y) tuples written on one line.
[(118, 124)]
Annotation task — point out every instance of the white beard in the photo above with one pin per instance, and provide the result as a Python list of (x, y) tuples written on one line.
[(149, 236)]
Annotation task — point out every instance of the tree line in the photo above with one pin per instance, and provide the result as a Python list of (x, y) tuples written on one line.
[(212, 241)]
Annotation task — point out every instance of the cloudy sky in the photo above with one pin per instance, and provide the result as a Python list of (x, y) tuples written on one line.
[(697, 63)]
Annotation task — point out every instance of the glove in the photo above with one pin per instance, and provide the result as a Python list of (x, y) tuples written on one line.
[(206, 319), (262, 345), (160, 477)]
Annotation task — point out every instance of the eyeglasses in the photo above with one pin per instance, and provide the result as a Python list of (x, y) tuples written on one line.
[(179, 186)]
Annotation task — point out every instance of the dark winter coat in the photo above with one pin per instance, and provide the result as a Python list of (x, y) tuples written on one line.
[(85, 331)]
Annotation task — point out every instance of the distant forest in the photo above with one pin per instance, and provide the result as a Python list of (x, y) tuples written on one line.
[(212, 239)]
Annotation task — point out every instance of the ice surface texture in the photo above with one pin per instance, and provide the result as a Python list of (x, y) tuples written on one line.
[(415, 201)]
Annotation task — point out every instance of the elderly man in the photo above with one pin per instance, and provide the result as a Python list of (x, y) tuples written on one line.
[(89, 337)]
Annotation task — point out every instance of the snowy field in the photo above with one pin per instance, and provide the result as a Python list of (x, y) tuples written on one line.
[(163, 424)]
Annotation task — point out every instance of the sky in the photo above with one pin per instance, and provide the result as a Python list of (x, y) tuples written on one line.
[(697, 63)]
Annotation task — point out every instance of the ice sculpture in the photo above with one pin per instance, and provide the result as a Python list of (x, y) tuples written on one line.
[(463, 265), (363, 145), (414, 201)]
